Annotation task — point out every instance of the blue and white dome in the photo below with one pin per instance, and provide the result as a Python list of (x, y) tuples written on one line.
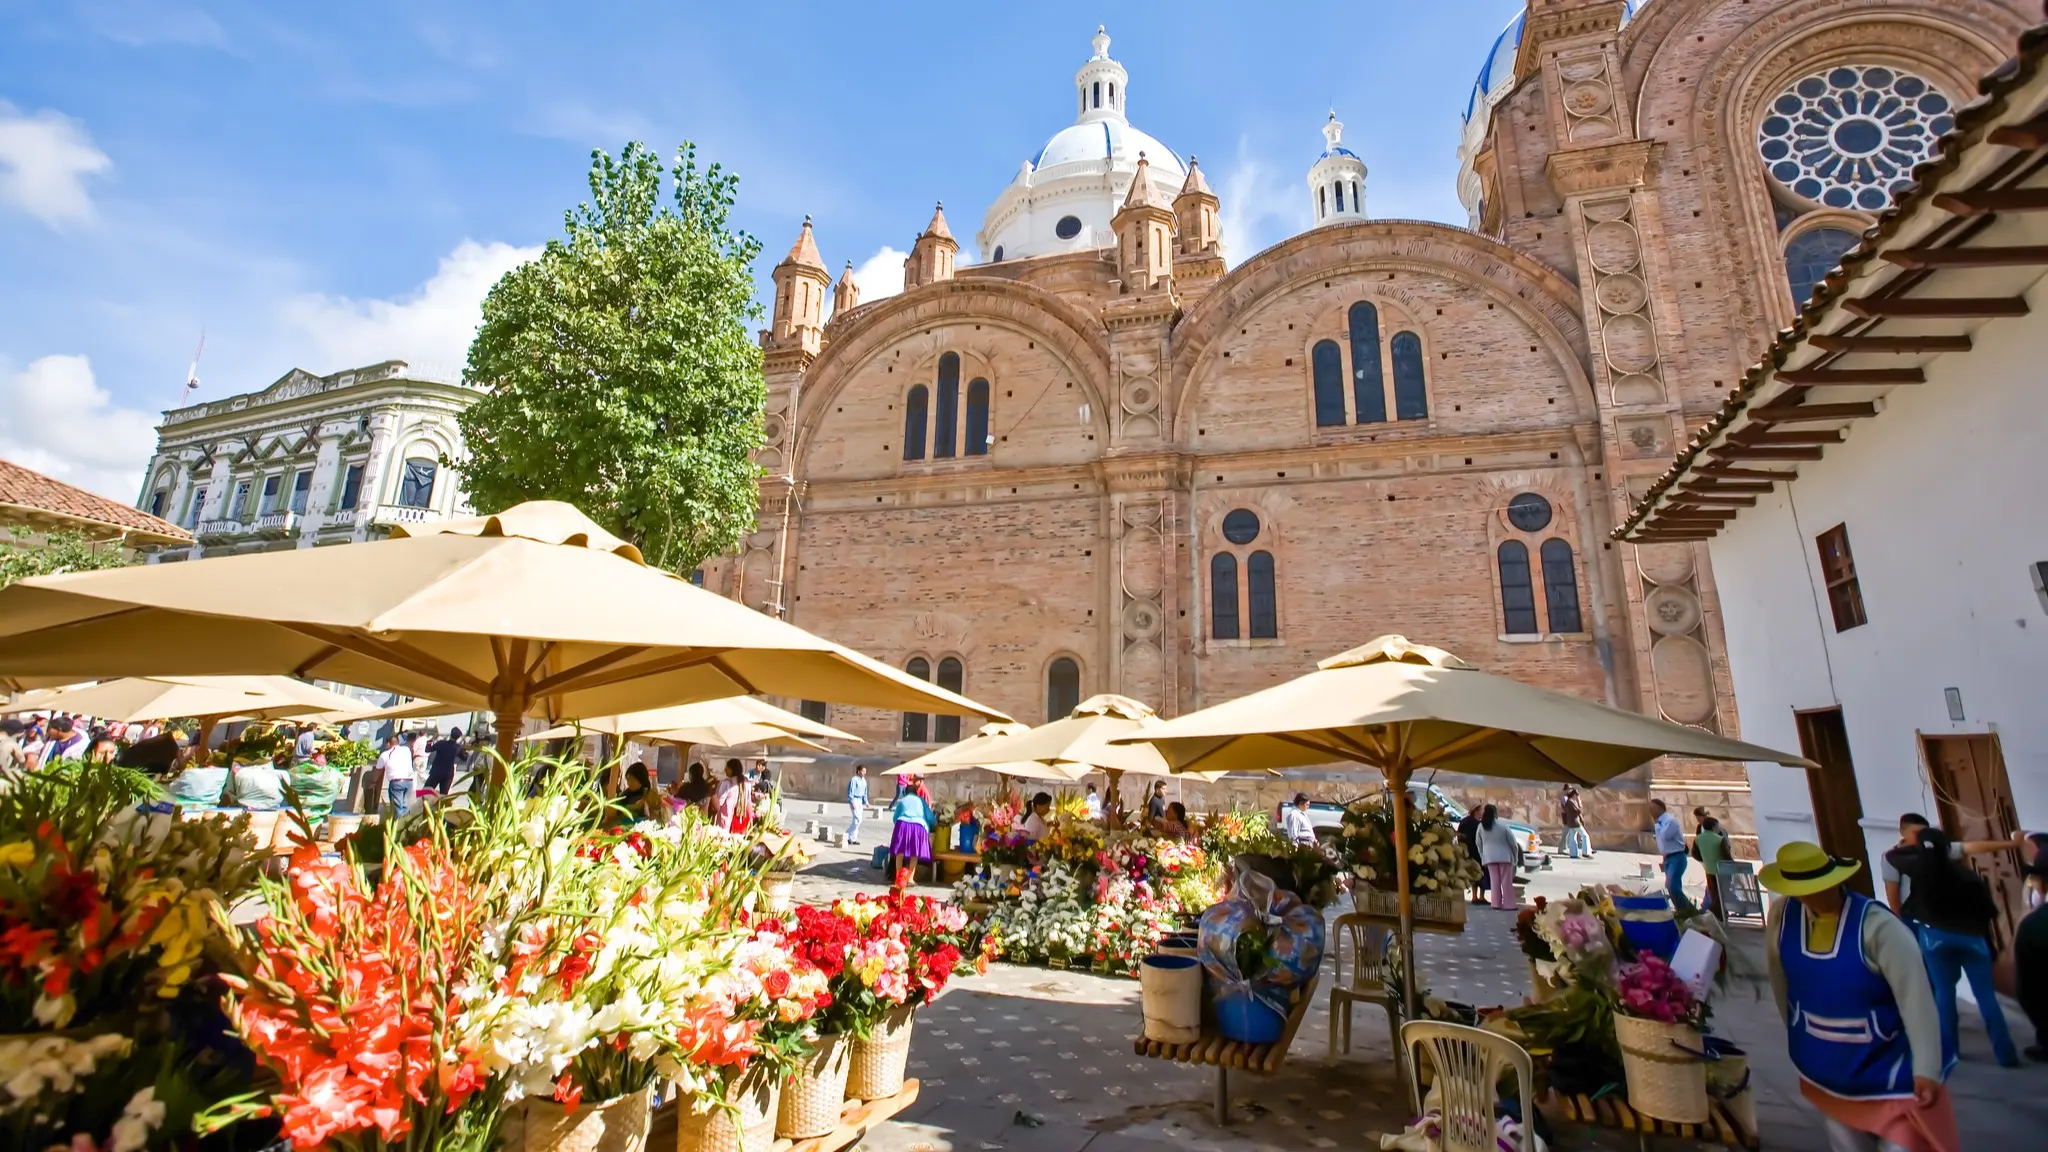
[(1499, 68), (1113, 140)]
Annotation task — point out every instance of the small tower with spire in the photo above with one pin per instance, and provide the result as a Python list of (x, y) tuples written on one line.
[(1102, 83), (1144, 235), (845, 297), (1194, 211), (931, 258), (1336, 182), (800, 284)]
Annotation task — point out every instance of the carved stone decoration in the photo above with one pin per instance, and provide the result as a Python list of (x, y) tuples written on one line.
[(1643, 438), (1638, 389), (1622, 294), (1142, 619), (1665, 563), (1672, 611), (1139, 394), (1144, 673), (1588, 99), (1613, 246), (1685, 679), (1628, 337)]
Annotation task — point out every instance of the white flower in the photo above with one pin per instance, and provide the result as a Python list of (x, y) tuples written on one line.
[(143, 1113)]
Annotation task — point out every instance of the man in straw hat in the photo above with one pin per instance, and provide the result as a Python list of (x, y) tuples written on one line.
[(1855, 998)]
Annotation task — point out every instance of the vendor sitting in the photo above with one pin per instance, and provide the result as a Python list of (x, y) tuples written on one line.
[(967, 830), (1039, 823), (1174, 826)]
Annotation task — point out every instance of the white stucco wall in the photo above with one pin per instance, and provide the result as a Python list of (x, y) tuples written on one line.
[(1942, 493)]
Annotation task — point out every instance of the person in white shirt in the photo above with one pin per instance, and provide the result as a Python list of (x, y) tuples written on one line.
[(1039, 823), (66, 741), (1294, 821), (396, 763), (1092, 803)]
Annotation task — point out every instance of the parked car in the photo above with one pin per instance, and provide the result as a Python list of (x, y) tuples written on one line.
[(1328, 820)]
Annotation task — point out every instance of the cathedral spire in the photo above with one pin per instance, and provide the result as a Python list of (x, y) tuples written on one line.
[(1101, 83), (800, 284), (846, 296), (1144, 236), (931, 258), (1195, 213), (1336, 181)]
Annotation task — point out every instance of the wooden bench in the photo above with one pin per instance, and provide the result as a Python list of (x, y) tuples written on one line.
[(955, 864), (1613, 1112), (1222, 1054)]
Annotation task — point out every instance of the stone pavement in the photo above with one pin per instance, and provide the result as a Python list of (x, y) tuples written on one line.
[(1030, 1060)]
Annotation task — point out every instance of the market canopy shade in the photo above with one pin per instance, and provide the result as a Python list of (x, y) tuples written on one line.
[(139, 698), (534, 611), (965, 755), (727, 736), (734, 714), (1091, 738)]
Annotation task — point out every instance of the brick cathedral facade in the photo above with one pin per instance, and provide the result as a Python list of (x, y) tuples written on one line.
[(1103, 462)]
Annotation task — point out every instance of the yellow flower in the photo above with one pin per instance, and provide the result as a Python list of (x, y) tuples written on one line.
[(18, 854), (181, 934)]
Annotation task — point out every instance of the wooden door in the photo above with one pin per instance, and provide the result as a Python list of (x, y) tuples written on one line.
[(1973, 801), (1837, 804)]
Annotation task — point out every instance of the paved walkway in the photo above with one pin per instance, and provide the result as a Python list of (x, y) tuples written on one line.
[(1029, 1060)]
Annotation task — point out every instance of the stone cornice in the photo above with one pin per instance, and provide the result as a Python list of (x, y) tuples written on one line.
[(1562, 20), (1158, 306), (1143, 472), (786, 361), (416, 396), (1603, 168)]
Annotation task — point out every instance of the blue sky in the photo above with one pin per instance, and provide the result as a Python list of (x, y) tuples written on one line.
[(326, 186)]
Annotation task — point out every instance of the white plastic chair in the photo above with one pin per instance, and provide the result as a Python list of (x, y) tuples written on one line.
[(1467, 1064), (1368, 941)]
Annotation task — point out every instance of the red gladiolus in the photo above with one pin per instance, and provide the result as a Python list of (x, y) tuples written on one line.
[(568, 1093)]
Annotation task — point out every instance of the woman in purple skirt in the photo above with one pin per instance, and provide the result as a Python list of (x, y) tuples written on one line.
[(911, 840)]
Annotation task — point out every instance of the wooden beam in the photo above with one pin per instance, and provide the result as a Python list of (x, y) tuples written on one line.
[(1681, 513), (1700, 500), (1756, 436), (1712, 487), (1991, 256), (1810, 413), (1979, 201), (1936, 307), (1731, 473), (1894, 345), (1740, 451), (1828, 377), (2026, 137)]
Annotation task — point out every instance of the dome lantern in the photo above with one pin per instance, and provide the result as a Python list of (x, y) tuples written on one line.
[(1101, 84), (1336, 181)]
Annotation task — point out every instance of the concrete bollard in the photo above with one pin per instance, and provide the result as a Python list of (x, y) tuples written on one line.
[(810, 827)]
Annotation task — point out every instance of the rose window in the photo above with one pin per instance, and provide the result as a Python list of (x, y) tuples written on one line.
[(1849, 137)]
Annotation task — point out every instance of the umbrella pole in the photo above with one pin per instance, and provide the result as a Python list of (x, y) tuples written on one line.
[(1397, 779)]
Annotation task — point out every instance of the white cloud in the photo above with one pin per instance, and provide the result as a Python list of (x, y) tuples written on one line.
[(44, 160), (1259, 206), (60, 422), (579, 122), (430, 327), (881, 275), (137, 23)]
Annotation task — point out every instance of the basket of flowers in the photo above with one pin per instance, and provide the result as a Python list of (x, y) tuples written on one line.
[(1439, 869), (1658, 1024)]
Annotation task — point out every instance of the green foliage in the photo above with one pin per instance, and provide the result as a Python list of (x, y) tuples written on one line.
[(21, 557), (622, 375)]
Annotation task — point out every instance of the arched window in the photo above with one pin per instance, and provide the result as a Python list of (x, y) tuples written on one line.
[(1560, 586), (1368, 384), (1098, 93), (1812, 255), (415, 489), (913, 422), (1357, 201), (1062, 688), (917, 725), (1265, 616), (1517, 595), (944, 420), (977, 419), (1340, 195), (1326, 366), (946, 729), (1411, 395), (1112, 93), (1223, 596), (1322, 203)]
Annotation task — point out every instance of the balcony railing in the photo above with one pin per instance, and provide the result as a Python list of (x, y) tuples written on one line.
[(400, 514), (221, 529), (339, 519), (276, 525)]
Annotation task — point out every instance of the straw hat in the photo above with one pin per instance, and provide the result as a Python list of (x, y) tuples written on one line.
[(1803, 869)]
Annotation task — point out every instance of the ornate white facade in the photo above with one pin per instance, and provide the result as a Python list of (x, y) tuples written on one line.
[(309, 460)]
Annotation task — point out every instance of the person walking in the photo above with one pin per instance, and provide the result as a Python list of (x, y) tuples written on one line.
[(1898, 887), (2030, 945), (911, 839), (856, 802), (442, 758), (395, 766), (1951, 909), (1497, 854), (1294, 821), (733, 806), (12, 759), (1571, 812), (1671, 846), (1468, 838), (1862, 1029), (1710, 847)]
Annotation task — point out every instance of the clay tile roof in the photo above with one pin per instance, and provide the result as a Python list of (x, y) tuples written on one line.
[(1196, 182), (805, 250), (21, 488), (937, 228)]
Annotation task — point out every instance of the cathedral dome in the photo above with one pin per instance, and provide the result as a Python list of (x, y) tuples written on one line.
[(1063, 198)]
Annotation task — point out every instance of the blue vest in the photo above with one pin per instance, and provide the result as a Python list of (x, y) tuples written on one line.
[(1845, 1033)]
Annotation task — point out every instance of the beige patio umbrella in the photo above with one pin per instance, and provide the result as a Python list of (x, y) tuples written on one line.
[(734, 715), (728, 736), (1396, 707), (209, 699), (964, 755), (534, 611)]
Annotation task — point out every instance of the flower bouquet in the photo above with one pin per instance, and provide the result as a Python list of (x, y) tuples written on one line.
[(1439, 869), (1239, 831)]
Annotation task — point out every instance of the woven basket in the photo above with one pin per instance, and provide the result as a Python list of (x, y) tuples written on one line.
[(1435, 909), (816, 1092), (1666, 1077), (537, 1124), (879, 1061), (778, 892), (748, 1127)]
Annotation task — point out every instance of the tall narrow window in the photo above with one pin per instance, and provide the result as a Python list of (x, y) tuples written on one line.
[(946, 413), (417, 489), (352, 487), (1326, 364), (1411, 396), (1368, 385), (1357, 201), (813, 710), (946, 729), (914, 407), (270, 492), (302, 487), (240, 508), (1265, 615), (1112, 93), (1098, 93), (157, 500), (1223, 596), (977, 419), (1322, 203), (917, 725), (198, 506), (1517, 595), (1838, 569), (1062, 688), (1340, 195), (1560, 586)]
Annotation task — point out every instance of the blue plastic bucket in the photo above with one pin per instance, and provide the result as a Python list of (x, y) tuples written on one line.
[(1244, 1017), (1647, 923)]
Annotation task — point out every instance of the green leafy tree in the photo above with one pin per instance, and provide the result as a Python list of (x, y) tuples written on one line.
[(622, 373), (21, 556)]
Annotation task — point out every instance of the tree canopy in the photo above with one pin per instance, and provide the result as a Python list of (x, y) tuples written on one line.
[(621, 372), (22, 555)]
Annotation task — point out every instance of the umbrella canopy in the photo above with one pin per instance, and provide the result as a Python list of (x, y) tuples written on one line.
[(1089, 739), (534, 611), (139, 698), (734, 713), (1396, 706), (723, 736), (964, 755)]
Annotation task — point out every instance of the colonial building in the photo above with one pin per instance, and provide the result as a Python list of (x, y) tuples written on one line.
[(1891, 619), (1103, 461), (309, 460)]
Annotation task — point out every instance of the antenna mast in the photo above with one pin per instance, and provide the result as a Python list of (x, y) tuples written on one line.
[(192, 373)]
